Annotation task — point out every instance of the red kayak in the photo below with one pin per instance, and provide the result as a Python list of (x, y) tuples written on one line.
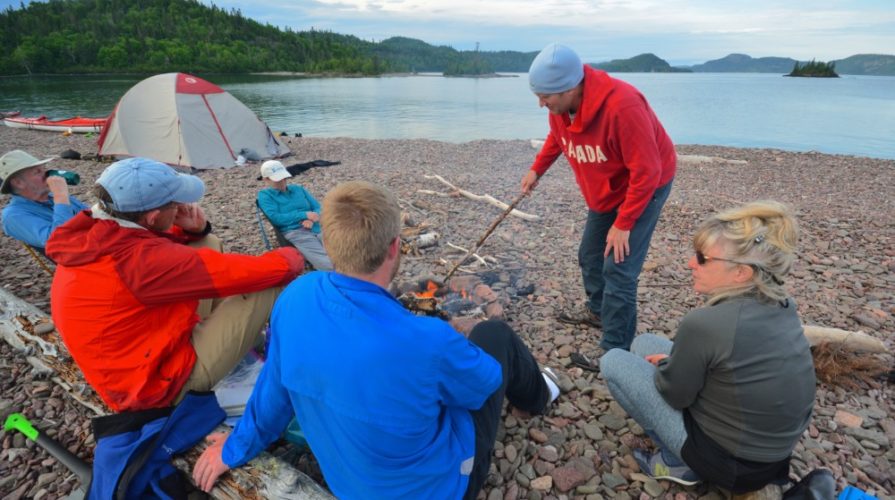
[(75, 125)]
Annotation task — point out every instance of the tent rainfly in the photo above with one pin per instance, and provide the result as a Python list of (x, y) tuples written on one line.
[(185, 121)]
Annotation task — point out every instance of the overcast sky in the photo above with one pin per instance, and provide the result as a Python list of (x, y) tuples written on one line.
[(679, 31)]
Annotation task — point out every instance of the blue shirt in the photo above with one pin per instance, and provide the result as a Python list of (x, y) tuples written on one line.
[(33, 221), (383, 396), (287, 209)]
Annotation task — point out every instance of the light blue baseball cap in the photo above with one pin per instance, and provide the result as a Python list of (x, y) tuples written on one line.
[(556, 69), (140, 184)]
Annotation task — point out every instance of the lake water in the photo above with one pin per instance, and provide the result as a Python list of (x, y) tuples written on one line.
[(849, 115)]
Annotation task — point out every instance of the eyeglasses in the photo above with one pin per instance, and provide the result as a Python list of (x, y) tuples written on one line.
[(702, 258)]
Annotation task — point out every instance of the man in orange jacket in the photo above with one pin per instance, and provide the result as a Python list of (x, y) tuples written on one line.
[(145, 300)]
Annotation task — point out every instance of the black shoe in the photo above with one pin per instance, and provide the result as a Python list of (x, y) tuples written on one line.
[(580, 315), (582, 361)]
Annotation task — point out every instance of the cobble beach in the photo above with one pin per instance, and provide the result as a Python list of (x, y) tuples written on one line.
[(844, 278)]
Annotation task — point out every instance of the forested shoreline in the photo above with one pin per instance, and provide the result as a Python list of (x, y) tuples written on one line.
[(152, 36)]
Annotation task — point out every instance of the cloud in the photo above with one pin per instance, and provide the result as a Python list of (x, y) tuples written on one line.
[(601, 29)]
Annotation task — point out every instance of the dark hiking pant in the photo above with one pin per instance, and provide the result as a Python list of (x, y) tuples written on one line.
[(523, 385)]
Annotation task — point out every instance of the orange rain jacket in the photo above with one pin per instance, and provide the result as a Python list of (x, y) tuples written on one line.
[(124, 300)]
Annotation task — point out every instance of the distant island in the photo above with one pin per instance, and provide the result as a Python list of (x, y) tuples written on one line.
[(859, 64), (814, 69), (189, 36), (644, 63), (741, 63)]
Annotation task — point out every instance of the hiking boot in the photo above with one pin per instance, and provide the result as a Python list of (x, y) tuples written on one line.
[(580, 315), (654, 466)]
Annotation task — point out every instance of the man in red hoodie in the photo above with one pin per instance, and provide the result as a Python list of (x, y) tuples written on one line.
[(145, 300), (624, 163)]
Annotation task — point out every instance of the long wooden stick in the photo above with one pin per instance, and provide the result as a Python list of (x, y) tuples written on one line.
[(485, 236), (37, 259)]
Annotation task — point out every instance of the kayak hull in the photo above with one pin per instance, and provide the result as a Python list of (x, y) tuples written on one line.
[(77, 124)]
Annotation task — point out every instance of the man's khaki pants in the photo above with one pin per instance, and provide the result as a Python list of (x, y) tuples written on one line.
[(227, 329)]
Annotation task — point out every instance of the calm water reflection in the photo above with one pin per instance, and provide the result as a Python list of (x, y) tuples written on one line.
[(849, 115)]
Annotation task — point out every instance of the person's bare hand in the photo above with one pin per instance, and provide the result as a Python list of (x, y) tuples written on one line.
[(617, 243), (655, 358), (59, 188), (530, 181), (312, 216), (190, 217), (210, 465), (307, 224)]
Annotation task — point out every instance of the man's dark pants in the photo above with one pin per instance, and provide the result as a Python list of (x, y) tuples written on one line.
[(612, 288), (522, 384)]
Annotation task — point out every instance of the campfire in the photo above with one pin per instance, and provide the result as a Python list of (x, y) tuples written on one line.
[(464, 301)]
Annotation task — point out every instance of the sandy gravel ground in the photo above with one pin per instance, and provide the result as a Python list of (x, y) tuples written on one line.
[(845, 278)]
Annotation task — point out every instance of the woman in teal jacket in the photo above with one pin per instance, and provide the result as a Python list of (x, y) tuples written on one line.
[(294, 212)]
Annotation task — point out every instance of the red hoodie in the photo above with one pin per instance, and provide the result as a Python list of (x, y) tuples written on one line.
[(616, 146), (124, 300)]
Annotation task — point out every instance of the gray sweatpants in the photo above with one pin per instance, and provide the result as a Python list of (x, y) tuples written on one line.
[(631, 381), (310, 244)]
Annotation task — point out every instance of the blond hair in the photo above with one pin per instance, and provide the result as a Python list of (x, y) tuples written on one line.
[(761, 234), (359, 222)]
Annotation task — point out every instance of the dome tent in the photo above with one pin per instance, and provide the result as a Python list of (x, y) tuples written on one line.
[(185, 121)]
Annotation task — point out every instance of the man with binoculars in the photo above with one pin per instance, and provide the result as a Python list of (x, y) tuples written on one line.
[(40, 202)]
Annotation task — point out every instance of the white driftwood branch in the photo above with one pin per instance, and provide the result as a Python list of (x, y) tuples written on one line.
[(466, 250), (466, 270), (700, 159), (487, 198), (433, 193), (856, 341)]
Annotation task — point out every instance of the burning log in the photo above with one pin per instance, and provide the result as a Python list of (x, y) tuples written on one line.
[(423, 302), (458, 301)]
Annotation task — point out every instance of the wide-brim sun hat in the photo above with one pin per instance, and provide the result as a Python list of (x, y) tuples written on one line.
[(16, 161)]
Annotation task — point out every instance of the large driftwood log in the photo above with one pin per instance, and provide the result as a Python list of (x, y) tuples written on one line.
[(28, 330), (487, 198), (855, 341)]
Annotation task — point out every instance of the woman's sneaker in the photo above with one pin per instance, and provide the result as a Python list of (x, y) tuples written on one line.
[(654, 466), (580, 315)]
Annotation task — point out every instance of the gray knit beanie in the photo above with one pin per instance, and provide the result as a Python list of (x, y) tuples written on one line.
[(556, 69)]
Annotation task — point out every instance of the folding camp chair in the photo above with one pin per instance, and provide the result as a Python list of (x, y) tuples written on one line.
[(281, 240)]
